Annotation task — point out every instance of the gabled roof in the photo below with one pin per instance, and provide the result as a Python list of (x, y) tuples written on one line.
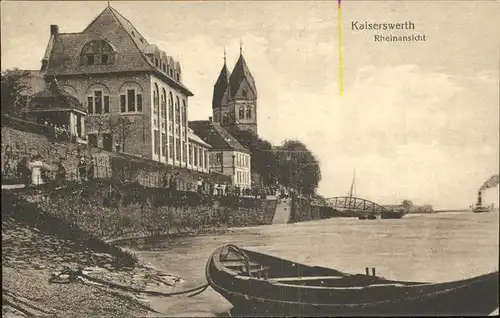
[(239, 75), (63, 51), (54, 98), (221, 87), (110, 26), (214, 134)]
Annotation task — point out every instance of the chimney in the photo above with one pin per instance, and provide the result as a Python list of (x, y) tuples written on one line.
[(54, 29), (210, 119)]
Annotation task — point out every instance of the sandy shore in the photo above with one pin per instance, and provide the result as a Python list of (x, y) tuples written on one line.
[(30, 258)]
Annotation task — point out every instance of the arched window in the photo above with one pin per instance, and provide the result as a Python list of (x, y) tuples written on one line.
[(98, 99), (184, 113), (98, 52), (130, 97), (241, 113), (170, 108), (156, 93), (249, 112), (164, 104), (177, 111)]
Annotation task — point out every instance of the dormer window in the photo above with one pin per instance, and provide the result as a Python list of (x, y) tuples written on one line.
[(98, 52), (244, 92)]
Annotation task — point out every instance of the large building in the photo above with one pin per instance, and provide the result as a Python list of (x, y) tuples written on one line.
[(134, 94), (227, 155), (235, 97)]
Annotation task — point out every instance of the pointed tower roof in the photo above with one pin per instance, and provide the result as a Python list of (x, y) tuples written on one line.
[(241, 73), (221, 85)]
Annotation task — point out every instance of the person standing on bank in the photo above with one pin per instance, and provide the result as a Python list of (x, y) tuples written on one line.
[(82, 169), (61, 172), (36, 166), (90, 170)]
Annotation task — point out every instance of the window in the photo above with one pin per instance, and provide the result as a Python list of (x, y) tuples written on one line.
[(106, 104), (139, 102), (177, 111), (131, 102), (177, 149), (218, 158), (195, 156), (206, 159), (184, 113), (190, 154), (200, 156), (90, 105), (157, 142), (156, 62), (123, 104), (96, 102), (164, 68), (170, 108), (184, 148), (164, 104), (244, 92), (98, 52), (156, 100), (241, 113), (171, 147), (164, 143), (249, 112)]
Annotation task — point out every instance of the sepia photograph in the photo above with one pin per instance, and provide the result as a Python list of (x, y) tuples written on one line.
[(232, 158)]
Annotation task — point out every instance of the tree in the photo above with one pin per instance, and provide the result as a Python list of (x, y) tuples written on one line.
[(14, 83), (97, 123), (407, 204), (298, 167), (123, 127)]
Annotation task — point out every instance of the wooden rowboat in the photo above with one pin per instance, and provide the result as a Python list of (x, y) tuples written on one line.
[(262, 285)]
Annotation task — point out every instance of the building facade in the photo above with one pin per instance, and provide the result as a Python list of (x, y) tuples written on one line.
[(136, 101), (227, 155), (234, 100)]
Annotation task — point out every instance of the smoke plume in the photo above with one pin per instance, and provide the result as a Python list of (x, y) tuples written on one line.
[(490, 183)]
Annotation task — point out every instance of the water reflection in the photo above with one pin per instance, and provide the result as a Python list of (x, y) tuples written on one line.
[(436, 248)]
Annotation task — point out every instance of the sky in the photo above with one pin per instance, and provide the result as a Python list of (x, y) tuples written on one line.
[(417, 121)]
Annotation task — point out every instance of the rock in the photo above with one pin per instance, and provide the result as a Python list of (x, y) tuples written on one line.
[(109, 267), (39, 266), (57, 259)]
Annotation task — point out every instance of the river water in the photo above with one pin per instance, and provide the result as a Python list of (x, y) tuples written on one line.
[(433, 247)]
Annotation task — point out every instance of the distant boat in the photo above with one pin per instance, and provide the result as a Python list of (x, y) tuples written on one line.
[(258, 284), (479, 207)]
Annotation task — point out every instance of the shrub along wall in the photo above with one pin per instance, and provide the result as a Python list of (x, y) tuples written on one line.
[(116, 210)]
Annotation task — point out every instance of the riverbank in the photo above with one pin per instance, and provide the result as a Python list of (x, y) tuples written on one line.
[(107, 282)]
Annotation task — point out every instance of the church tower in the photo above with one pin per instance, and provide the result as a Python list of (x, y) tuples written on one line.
[(235, 97)]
